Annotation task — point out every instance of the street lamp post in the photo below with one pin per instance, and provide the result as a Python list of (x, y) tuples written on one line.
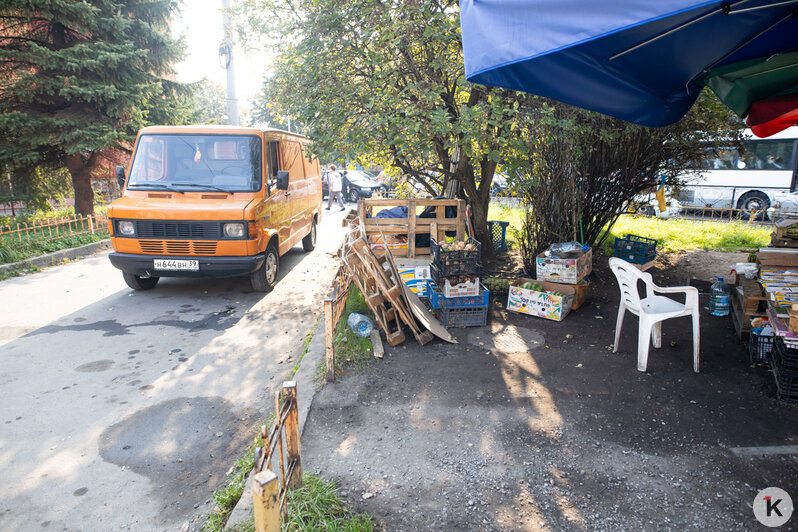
[(226, 57)]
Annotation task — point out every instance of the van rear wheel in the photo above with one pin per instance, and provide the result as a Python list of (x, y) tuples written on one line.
[(137, 282), (309, 242), (264, 278)]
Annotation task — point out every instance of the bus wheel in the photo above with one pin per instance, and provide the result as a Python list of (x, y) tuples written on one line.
[(264, 278), (137, 282), (753, 201)]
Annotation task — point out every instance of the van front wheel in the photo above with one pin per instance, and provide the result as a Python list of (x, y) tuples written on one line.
[(137, 282), (264, 278), (309, 242)]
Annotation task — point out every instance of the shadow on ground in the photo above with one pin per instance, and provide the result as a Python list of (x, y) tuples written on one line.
[(529, 424)]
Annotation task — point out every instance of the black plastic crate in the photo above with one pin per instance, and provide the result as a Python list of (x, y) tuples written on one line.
[(438, 277), (498, 234), (441, 257), (760, 348), (786, 381), (788, 357), (463, 317), (636, 249)]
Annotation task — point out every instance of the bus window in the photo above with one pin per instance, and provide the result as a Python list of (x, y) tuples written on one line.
[(773, 154), (723, 159)]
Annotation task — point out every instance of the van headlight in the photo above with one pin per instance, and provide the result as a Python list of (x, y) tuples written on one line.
[(234, 230), (126, 228)]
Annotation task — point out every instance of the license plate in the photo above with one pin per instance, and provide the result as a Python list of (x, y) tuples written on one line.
[(166, 264)]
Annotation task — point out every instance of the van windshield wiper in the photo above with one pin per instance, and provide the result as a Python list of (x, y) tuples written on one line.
[(211, 187), (158, 186)]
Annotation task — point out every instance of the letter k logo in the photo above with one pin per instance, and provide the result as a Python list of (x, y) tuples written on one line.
[(772, 506)]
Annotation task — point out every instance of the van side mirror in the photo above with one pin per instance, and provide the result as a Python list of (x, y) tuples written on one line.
[(282, 180), (120, 176)]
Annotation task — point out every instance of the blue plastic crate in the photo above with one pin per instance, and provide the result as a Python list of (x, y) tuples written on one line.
[(438, 301), (636, 249)]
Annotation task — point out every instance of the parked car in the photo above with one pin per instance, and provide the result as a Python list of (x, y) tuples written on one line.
[(355, 184), (784, 204)]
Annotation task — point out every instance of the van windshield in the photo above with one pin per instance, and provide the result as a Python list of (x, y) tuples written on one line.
[(227, 163)]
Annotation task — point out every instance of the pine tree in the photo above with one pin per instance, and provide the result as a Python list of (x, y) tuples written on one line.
[(81, 76)]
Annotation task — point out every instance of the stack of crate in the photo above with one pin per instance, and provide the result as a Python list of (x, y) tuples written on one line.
[(455, 290)]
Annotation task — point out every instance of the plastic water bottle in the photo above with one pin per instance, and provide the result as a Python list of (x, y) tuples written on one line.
[(360, 324), (719, 300)]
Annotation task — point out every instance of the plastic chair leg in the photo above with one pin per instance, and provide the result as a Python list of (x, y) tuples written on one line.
[(696, 340), (656, 334), (643, 341), (618, 325)]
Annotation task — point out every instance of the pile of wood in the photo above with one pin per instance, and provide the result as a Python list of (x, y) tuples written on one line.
[(375, 273)]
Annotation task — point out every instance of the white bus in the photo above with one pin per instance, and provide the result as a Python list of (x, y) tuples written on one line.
[(747, 179)]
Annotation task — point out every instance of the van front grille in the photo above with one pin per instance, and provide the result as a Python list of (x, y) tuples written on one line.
[(177, 247), (178, 229)]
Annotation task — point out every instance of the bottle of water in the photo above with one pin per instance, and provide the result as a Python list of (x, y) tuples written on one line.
[(719, 299), (360, 324)]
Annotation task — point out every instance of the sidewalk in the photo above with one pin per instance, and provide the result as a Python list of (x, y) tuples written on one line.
[(530, 424)]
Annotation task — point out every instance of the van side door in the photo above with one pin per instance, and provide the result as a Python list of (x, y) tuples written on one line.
[(297, 187), (278, 206)]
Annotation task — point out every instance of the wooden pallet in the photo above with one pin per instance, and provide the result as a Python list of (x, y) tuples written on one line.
[(412, 225)]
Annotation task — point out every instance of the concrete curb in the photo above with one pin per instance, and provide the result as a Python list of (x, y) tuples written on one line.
[(53, 259), (306, 390)]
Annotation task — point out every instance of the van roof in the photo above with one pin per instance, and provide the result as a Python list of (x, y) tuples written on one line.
[(217, 129)]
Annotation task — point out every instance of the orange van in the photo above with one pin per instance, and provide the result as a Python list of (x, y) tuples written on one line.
[(213, 201)]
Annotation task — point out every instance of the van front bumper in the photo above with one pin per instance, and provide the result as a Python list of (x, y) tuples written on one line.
[(143, 265)]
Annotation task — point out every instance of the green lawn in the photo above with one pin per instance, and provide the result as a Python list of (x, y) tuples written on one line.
[(672, 235)]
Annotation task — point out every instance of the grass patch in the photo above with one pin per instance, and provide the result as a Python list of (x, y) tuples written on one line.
[(674, 235), (316, 506), (15, 252), (351, 351), (227, 497)]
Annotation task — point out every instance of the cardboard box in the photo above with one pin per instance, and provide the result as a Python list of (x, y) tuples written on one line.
[(541, 304), (416, 279), (777, 257), (568, 271)]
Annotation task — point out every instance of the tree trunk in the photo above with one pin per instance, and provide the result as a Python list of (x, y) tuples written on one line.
[(80, 170)]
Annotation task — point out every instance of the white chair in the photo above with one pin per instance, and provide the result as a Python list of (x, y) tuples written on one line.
[(652, 309)]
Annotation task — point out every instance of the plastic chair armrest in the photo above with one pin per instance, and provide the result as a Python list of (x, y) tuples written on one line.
[(691, 292)]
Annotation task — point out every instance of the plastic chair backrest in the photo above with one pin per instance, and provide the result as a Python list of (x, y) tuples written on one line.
[(628, 276)]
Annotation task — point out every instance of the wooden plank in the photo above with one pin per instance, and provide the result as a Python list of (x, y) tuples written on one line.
[(426, 318), (329, 341), (266, 501), (293, 453), (449, 223), (460, 220), (412, 220)]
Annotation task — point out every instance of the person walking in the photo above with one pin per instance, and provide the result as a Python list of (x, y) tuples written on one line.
[(334, 182)]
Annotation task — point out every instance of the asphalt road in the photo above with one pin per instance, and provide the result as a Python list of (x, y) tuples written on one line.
[(124, 410)]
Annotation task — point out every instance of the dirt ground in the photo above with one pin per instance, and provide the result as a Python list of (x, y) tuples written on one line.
[(529, 424)]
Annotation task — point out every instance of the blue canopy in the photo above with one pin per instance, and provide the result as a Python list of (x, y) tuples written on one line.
[(638, 60)]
